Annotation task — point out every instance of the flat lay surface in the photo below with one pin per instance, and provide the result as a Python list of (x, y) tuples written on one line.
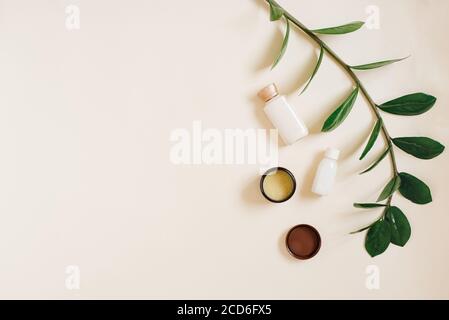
[(87, 182)]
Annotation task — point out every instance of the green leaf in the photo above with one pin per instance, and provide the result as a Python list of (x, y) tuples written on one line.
[(284, 45), (339, 115), (390, 188), (414, 189), (420, 147), (399, 226), (361, 230), (372, 138), (276, 12), (368, 205), (409, 105), (320, 59), (378, 238), (384, 154), (346, 28), (375, 65)]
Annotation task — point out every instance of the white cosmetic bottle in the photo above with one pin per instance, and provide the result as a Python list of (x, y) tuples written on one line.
[(282, 116), (326, 173)]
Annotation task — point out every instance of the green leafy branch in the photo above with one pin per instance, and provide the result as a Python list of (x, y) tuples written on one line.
[(392, 227)]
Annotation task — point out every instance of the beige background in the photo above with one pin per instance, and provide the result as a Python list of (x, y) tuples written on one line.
[(85, 176)]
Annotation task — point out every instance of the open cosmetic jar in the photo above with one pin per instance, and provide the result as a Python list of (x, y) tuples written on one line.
[(278, 185), (303, 241)]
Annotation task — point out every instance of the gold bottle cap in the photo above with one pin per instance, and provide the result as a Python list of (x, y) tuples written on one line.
[(268, 93)]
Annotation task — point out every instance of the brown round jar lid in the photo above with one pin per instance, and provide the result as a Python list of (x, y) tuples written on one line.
[(303, 241)]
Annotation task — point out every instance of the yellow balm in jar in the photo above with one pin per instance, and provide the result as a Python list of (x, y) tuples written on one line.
[(278, 185)]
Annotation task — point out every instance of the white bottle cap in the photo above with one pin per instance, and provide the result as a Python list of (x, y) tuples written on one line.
[(332, 153)]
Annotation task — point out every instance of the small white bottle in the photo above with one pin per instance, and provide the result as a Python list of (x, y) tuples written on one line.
[(326, 173), (282, 116)]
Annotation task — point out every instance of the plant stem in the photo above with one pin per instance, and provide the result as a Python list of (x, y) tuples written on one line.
[(354, 77)]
